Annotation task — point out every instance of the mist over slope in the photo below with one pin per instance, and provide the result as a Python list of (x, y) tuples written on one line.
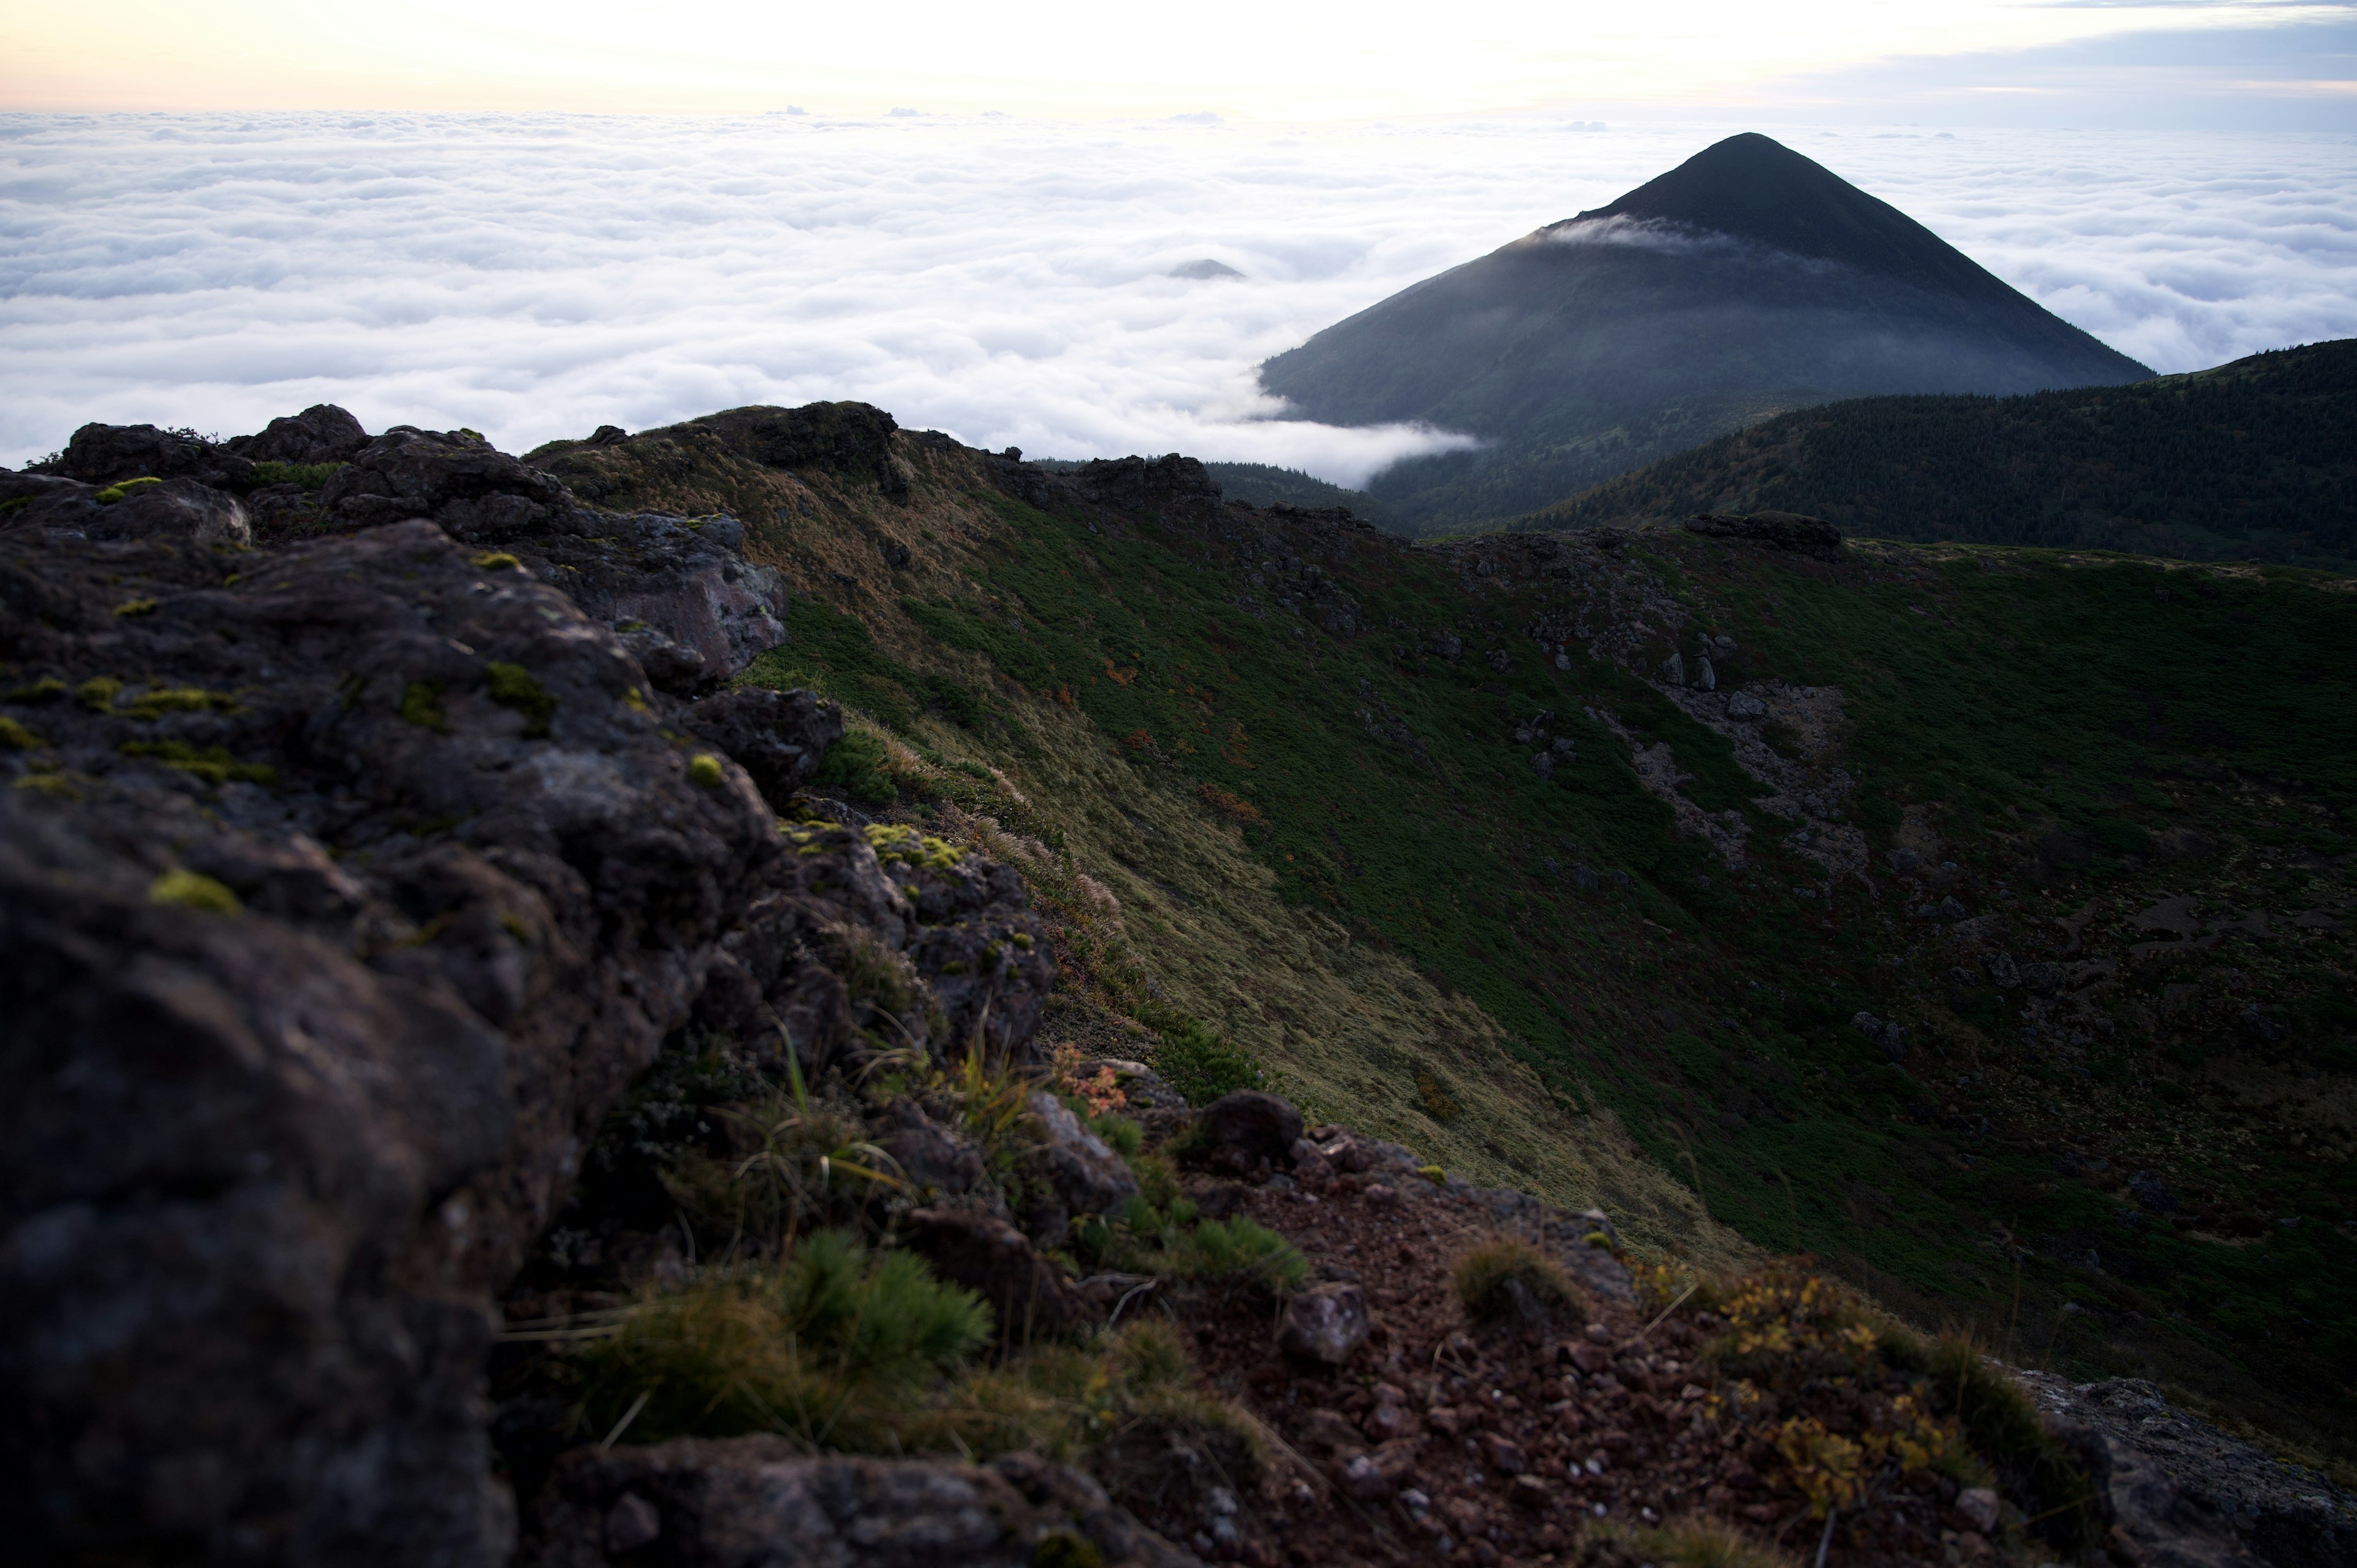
[(1746, 280), (2253, 460)]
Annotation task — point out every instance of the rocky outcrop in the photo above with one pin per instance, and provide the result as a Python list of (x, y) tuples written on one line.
[(2176, 1492), (182, 511), (1788, 530), (320, 434), (346, 888), (110, 453), (479, 494), (758, 1502)]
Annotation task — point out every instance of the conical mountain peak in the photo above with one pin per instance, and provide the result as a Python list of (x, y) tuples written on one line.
[(1755, 187)]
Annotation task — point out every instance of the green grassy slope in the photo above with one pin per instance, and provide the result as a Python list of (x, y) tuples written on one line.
[(2258, 458), (1288, 750)]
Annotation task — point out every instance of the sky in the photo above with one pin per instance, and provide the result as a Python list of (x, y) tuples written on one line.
[(532, 218)]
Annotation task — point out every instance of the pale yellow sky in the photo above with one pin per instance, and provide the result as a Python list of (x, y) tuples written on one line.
[(1239, 57)]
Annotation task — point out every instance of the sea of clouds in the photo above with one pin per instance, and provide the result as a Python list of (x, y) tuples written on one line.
[(1006, 279)]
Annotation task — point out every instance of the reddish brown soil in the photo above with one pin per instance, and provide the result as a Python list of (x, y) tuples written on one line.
[(1515, 1436)]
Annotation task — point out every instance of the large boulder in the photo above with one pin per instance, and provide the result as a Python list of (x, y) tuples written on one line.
[(679, 590), (477, 493), (1258, 1126), (109, 454), (991, 1257), (778, 737), (322, 433), (1081, 1168), (759, 1502), (179, 510)]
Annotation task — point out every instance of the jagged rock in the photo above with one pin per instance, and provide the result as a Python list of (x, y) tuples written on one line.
[(1259, 1126), (1325, 1323), (1791, 531), (676, 589), (477, 493), (1163, 486), (332, 939), (1087, 1175), (1744, 705), (181, 511), (929, 1157), (759, 1502), (2179, 1493), (320, 434), (776, 736), (109, 454), (996, 1261)]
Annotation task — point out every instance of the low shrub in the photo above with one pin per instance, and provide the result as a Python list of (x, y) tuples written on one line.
[(1509, 1281), (1233, 1250), (854, 767)]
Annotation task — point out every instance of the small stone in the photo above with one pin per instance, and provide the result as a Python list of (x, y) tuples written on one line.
[(1978, 1505), (1325, 1323), (630, 1524), (1503, 1455)]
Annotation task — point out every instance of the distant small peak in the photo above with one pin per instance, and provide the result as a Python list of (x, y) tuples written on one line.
[(1205, 268)]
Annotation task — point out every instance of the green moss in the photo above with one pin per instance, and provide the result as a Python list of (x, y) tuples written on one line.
[(421, 704), (115, 492), (154, 704), (498, 561), (98, 692), (18, 738), (191, 891), (47, 690), (15, 503), (135, 607), (214, 764), (704, 770), (894, 842), (55, 785), (512, 686)]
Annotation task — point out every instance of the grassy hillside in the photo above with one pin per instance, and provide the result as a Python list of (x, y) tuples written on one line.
[(2079, 824), (2258, 458)]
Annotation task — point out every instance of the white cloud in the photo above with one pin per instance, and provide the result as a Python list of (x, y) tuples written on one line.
[(1006, 279)]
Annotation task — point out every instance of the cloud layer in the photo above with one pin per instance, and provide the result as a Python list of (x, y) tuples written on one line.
[(1005, 280)]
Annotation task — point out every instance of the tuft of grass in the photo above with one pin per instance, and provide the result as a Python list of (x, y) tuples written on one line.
[(818, 1349), (512, 686), (192, 890), (1235, 1250), (1509, 1280), (1960, 1383)]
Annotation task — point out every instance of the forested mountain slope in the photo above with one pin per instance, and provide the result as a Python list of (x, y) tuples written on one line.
[(2257, 458)]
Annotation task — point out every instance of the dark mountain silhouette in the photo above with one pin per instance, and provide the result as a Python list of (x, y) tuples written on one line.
[(1747, 281), (2251, 460)]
